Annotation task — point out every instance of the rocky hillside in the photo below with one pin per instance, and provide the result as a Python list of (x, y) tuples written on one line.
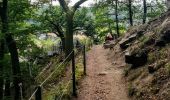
[(146, 49)]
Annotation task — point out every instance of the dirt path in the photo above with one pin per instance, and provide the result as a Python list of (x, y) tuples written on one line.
[(104, 78)]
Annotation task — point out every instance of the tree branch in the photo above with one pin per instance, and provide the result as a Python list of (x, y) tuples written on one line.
[(76, 5), (58, 28), (64, 5)]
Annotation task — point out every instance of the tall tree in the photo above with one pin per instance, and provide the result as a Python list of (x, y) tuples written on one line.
[(117, 20), (11, 44), (1, 68), (69, 27), (2, 43), (130, 12), (144, 11)]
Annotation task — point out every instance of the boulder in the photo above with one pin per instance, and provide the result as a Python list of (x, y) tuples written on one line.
[(137, 59), (160, 43), (166, 36), (109, 44), (125, 43), (150, 42), (152, 68)]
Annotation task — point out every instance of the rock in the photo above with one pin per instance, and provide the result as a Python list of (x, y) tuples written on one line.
[(152, 68), (160, 43), (166, 36), (125, 42), (109, 45), (102, 73), (137, 59), (150, 42), (140, 33)]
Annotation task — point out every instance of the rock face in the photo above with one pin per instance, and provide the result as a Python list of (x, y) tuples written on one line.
[(125, 43), (166, 36), (164, 39), (160, 43), (137, 59), (110, 44), (150, 42)]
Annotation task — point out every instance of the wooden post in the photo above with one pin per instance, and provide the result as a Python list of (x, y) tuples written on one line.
[(38, 95), (74, 75), (84, 59)]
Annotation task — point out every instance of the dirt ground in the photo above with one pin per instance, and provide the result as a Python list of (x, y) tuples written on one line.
[(104, 80)]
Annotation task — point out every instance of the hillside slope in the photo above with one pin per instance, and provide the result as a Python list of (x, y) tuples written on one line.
[(146, 50)]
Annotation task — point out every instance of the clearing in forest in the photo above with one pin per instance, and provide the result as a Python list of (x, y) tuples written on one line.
[(104, 79)]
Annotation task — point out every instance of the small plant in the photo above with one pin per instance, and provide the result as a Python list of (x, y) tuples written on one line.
[(134, 75), (126, 70), (131, 90), (167, 66), (151, 57)]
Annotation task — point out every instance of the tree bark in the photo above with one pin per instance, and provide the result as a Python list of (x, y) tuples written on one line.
[(69, 29), (117, 20), (12, 49), (1, 68), (60, 33), (145, 11), (7, 94), (15, 65), (2, 45), (69, 33), (130, 13)]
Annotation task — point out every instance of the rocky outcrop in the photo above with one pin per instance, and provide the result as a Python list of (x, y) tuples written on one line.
[(125, 43), (137, 59)]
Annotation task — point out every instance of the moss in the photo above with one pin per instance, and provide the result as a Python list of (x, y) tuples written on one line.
[(151, 57), (131, 89), (126, 70), (167, 66), (134, 75), (143, 39), (62, 90)]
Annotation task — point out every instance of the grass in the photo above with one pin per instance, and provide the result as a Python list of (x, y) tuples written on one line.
[(57, 84), (126, 70), (62, 90), (54, 90), (167, 66), (131, 89), (134, 75)]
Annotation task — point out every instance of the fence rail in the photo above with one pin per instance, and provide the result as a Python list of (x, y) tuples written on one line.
[(37, 94)]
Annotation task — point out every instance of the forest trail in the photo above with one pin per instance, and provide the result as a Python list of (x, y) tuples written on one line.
[(104, 79)]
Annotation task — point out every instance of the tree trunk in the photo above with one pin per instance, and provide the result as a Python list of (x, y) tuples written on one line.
[(7, 94), (15, 64), (12, 49), (145, 11), (69, 34), (130, 13), (63, 42), (1, 68), (117, 20)]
